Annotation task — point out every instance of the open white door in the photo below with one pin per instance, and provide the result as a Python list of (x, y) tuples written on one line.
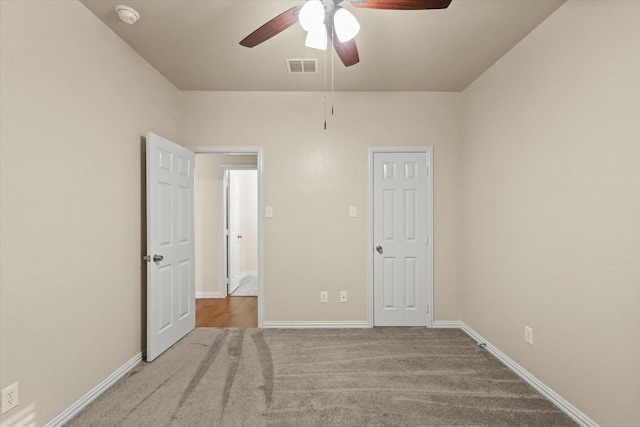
[(234, 232), (171, 310)]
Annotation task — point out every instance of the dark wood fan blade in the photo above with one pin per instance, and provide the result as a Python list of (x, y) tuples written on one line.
[(402, 4), (347, 51), (273, 27)]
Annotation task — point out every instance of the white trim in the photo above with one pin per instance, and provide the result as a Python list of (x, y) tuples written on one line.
[(315, 325), (259, 151), (447, 324), (208, 295), (566, 407), (92, 395), (428, 151)]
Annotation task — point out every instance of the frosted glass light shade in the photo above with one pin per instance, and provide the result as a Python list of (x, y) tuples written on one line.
[(317, 37), (311, 14), (346, 25)]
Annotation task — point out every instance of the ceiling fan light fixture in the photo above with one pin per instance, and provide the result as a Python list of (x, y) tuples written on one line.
[(311, 15), (346, 24), (317, 37)]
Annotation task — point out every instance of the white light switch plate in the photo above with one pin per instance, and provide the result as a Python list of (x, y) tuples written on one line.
[(268, 212), (528, 335), (353, 212)]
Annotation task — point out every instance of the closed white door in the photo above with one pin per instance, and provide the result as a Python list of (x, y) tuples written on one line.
[(170, 244), (234, 230), (400, 239)]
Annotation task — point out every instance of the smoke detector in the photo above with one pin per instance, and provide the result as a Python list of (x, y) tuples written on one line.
[(127, 14)]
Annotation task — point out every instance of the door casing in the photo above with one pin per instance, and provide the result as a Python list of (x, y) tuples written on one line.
[(428, 151), (259, 152)]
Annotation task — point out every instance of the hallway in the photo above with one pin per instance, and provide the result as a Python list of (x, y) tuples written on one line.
[(229, 312)]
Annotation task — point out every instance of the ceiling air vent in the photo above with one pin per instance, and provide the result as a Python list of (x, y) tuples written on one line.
[(302, 65)]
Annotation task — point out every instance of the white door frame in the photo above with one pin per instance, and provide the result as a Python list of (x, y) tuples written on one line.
[(259, 152), (428, 151), (224, 247)]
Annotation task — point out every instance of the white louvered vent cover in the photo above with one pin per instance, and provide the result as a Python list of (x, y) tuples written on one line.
[(302, 65)]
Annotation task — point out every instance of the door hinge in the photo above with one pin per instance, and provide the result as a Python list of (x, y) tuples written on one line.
[(427, 308), (426, 171), (427, 239)]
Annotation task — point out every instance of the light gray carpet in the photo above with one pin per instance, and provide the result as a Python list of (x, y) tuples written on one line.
[(248, 287), (322, 377)]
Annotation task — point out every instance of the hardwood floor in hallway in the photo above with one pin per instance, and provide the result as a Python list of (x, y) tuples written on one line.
[(229, 312)]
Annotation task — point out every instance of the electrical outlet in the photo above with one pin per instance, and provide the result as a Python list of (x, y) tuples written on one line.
[(528, 335), (343, 296), (324, 296), (10, 397)]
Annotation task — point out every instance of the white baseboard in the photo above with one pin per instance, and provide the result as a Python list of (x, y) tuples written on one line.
[(316, 325), (92, 395), (207, 295), (538, 385), (446, 324)]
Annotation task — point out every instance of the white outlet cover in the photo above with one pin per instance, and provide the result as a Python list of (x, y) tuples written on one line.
[(353, 212), (343, 296), (10, 397)]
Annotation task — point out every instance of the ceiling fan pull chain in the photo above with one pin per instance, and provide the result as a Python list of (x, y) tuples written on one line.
[(332, 78), (325, 89)]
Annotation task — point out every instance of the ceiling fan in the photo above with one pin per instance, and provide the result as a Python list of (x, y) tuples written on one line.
[(326, 20)]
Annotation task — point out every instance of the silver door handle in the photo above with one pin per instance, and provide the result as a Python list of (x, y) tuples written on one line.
[(239, 236), (157, 258), (379, 249)]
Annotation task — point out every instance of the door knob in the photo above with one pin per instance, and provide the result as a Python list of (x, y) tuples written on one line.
[(239, 236), (157, 258), (379, 249)]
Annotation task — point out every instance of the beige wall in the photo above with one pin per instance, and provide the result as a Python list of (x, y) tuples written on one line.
[(207, 217), (312, 176), (551, 210), (76, 102)]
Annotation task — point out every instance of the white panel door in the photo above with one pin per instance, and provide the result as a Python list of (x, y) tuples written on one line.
[(170, 244), (400, 291), (234, 230)]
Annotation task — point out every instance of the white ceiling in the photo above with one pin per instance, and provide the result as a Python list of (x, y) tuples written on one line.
[(195, 44)]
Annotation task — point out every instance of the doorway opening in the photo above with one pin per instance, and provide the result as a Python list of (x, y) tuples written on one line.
[(228, 230), (240, 227)]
